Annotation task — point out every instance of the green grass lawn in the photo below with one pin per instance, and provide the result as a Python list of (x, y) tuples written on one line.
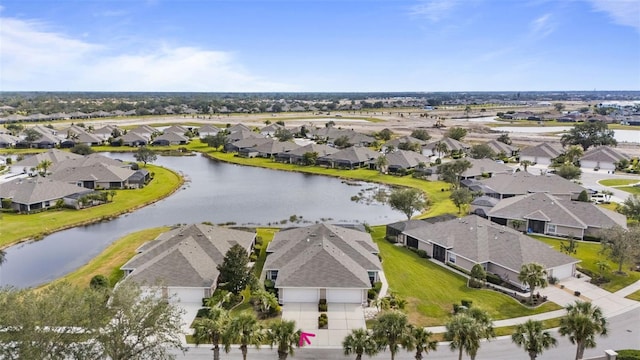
[(431, 290), (109, 261), (630, 189), (618, 182), (588, 252), (16, 227), (634, 296)]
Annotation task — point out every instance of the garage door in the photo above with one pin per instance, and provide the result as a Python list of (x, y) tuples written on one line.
[(350, 296), (562, 272), (187, 295), (299, 295)]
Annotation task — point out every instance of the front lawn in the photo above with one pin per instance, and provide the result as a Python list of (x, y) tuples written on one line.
[(431, 290), (634, 296), (618, 182), (588, 252), (16, 227), (630, 189)]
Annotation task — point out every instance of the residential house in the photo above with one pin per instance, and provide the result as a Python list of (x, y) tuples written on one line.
[(268, 149), (542, 213), (8, 141), (541, 154), (396, 143), (602, 158), (394, 231), (296, 156), (238, 128), (145, 131), (403, 160), (178, 129), (184, 261), (53, 155), (271, 129), (350, 158), (208, 130), (244, 134), (247, 143), (500, 250), (322, 261), (170, 138), (453, 146), (485, 168), (36, 193), (499, 147), (481, 205), (135, 139), (88, 160), (95, 176), (503, 186)]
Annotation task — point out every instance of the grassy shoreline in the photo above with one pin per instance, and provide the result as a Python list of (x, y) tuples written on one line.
[(18, 228)]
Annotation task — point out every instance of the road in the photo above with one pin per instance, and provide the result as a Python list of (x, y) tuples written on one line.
[(624, 333)]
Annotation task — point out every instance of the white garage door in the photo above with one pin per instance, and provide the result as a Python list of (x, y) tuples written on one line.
[(299, 295), (562, 272), (350, 296), (187, 295)]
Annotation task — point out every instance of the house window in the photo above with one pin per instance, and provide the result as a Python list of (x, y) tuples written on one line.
[(372, 276), (273, 275), (552, 229), (452, 258)]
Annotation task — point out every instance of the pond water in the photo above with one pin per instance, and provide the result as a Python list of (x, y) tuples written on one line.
[(623, 135), (216, 192)]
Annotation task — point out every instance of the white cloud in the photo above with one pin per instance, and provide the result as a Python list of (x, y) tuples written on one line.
[(542, 26), (434, 10), (32, 57), (623, 12)]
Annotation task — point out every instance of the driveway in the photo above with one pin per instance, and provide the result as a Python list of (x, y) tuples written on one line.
[(342, 319)]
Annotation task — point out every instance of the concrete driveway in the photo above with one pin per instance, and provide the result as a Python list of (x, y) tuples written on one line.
[(342, 319)]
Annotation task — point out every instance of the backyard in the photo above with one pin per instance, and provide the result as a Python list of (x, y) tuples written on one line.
[(589, 253), (431, 290)]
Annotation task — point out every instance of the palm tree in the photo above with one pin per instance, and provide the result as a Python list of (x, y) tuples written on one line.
[(211, 328), (359, 342), (284, 334), (244, 330), (466, 329), (3, 256), (44, 165), (525, 164), (421, 341), (573, 153), (391, 331), (381, 163), (533, 274), (583, 322), (532, 338), (441, 148)]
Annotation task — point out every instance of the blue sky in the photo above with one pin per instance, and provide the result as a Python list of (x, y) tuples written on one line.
[(330, 45)]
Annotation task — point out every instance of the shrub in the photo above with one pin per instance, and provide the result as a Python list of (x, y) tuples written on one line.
[(371, 294), (494, 279), (323, 321), (628, 354), (466, 303), (322, 307), (576, 293), (6, 203), (253, 257), (99, 282), (323, 301), (391, 239), (456, 308), (269, 284), (475, 283), (422, 253), (258, 240), (553, 280), (202, 312), (377, 286)]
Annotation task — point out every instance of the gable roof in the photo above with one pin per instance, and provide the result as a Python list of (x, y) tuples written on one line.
[(521, 182), (604, 154), (545, 207), (275, 146), (545, 150), (171, 137), (53, 155), (500, 147), (321, 149), (88, 160), (144, 130), (209, 129), (187, 256), (404, 139), (322, 255), (481, 240), (353, 155), (94, 172)]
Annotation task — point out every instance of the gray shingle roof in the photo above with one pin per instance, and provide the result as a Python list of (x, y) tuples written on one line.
[(37, 189), (604, 154), (488, 166), (451, 144), (95, 172), (481, 240), (500, 147), (53, 155), (187, 256), (404, 139), (406, 159), (353, 155), (321, 149), (542, 150), (520, 183), (322, 255)]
